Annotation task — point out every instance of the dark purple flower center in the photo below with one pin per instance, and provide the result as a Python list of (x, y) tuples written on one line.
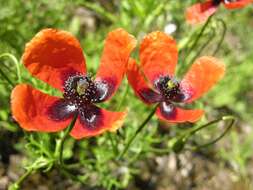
[(216, 2), (80, 90), (80, 94), (170, 89)]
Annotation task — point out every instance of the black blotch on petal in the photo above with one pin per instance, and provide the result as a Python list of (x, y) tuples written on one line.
[(91, 117), (167, 110), (105, 88), (150, 96), (61, 110), (230, 1)]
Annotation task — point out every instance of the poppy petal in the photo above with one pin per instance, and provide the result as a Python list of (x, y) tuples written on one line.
[(33, 111), (237, 5), (169, 113), (199, 13), (203, 74), (93, 121), (139, 85), (158, 55), (118, 46), (53, 55)]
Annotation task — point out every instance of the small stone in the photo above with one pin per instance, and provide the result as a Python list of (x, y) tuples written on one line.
[(4, 183)]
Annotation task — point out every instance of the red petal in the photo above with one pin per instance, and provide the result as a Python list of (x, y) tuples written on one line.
[(140, 86), (118, 46), (104, 121), (177, 115), (199, 13), (203, 74), (30, 108), (237, 5), (158, 55), (52, 55)]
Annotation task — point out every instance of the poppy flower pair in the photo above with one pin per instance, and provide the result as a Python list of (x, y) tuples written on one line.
[(56, 57), (200, 12)]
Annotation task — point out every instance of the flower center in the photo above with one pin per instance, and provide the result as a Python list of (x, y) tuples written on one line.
[(216, 2), (80, 90), (169, 89)]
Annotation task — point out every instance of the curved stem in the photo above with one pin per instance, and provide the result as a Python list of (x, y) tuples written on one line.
[(205, 44), (15, 61), (6, 78), (195, 43), (224, 31), (139, 129), (219, 137), (224, 118), (59, 148), (178, 143)]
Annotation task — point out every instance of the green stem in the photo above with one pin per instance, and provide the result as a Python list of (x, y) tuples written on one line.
[(205, 44), (59, 148), (114, 146), (68, 174), (224, 31), (15, 61), (139, 129), (180, 141), (224, 118), (6, 78), (18, 183), (100, 10), (219, 137), (196, 41)]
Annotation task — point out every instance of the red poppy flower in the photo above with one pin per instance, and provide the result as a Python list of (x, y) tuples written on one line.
[(56, 58), (200, 12), (158, 58)]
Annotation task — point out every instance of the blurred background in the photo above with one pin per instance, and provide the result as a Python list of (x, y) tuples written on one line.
[(227, 165)]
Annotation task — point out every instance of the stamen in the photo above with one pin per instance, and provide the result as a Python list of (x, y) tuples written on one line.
[(80, 90), (169, 89)]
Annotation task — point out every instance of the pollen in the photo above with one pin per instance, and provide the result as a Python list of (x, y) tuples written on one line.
[(82, 85), (80, 90), (171, 84), (170, 89)]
